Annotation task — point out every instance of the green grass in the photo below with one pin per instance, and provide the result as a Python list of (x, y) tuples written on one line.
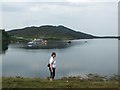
[(66, 82), (0, 83)]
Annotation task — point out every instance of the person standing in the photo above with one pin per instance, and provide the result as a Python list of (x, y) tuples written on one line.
[(52, 66)]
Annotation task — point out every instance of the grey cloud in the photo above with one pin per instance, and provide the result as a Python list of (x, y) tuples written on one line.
[(22, 6), (14, 7)]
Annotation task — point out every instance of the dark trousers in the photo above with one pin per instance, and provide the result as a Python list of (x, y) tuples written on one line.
[(52, 74)]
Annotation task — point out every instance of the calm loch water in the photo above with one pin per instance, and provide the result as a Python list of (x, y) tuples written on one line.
[(77, 58)]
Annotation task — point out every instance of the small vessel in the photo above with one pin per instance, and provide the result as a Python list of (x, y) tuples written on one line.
[(30, 44), (69, 42)]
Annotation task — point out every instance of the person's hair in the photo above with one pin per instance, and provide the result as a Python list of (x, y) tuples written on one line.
[(53, 53)]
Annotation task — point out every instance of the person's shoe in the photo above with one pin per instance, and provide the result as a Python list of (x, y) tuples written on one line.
[(51, 79)]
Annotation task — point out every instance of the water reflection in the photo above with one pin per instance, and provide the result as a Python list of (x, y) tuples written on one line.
[(77, 58), (48, 45)]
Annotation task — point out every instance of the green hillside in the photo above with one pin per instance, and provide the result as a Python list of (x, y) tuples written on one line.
[(49, 32), (4, 40)]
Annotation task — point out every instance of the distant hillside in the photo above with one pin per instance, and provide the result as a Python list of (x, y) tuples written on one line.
[(49, 32), (4, 37)]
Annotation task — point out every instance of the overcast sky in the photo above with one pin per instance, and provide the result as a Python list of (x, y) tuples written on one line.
[(97, 17)]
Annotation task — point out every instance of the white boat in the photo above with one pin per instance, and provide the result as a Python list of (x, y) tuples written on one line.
[(30, 44)]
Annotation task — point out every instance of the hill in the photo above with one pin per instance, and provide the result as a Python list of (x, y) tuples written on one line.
[(49, 32), (4, 34), (4, 40)]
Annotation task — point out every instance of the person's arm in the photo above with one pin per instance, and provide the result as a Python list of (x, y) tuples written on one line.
[(51, 67), (51, 60)]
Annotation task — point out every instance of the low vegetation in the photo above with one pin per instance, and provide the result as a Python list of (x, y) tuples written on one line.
[(92, 81)]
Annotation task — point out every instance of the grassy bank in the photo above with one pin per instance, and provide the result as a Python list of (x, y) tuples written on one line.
[(65, 82)]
